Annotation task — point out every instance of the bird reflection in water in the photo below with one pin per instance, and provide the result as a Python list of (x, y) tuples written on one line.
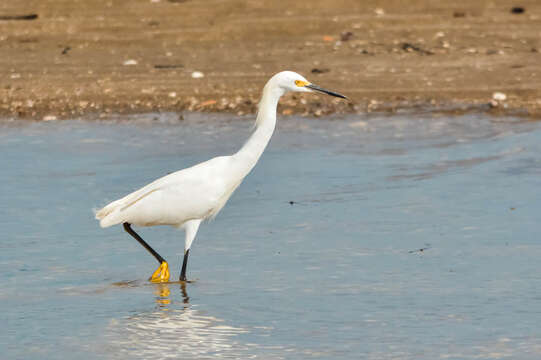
[(174, 329), (163, 295)]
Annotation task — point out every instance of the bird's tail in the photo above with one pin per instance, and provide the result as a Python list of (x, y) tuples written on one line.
[(109, 215)]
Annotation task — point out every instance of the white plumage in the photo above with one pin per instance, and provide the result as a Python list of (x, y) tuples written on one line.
[(187, 197), (197, 192)]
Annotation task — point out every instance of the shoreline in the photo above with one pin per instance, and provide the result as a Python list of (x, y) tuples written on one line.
[(290, 105)]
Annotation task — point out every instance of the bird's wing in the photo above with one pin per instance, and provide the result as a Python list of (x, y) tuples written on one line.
[(187, 193)]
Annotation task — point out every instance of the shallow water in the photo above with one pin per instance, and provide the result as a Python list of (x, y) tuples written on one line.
[(399, 237)]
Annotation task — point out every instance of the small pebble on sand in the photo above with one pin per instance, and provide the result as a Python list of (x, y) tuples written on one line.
[(49, 118), (197, 75), (499, 96)]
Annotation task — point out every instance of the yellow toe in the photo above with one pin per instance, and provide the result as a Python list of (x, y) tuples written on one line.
[(161, 274)]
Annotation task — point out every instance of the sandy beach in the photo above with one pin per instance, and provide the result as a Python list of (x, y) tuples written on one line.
[(64, 59)]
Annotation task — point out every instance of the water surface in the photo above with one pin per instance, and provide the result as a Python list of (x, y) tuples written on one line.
[(404, 237)]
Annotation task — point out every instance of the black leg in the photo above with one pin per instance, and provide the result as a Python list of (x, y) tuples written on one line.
[(130, 231), (184, 265)]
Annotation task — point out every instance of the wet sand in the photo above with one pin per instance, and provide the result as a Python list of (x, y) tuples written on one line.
[(62, 58)]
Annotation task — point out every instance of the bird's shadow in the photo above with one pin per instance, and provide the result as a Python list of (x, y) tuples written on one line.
[(162, 290), (139, 283)]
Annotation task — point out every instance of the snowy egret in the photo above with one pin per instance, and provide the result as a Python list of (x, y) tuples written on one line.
[(185, 198)]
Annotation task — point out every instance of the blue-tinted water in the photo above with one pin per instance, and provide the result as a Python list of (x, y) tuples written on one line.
[(399, 237)]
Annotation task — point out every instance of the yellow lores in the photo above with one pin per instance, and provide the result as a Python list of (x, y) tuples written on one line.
[(301, 83)]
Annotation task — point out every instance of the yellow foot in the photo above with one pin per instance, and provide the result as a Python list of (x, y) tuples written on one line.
[(161, 274)]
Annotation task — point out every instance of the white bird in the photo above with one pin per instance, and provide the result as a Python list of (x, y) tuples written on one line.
[(185, 198)]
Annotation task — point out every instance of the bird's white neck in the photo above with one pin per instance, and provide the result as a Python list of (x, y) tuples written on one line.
[(250, 153)]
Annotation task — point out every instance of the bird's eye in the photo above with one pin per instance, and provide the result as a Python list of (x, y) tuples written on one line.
[(300, 83)]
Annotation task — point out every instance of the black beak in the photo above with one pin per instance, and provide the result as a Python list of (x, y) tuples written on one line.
[(332, 93)]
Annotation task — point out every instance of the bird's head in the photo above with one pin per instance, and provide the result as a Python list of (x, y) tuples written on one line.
[(291, 81)]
